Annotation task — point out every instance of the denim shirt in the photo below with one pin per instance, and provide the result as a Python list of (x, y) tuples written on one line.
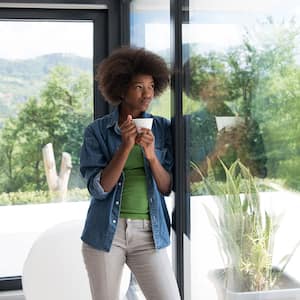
[(102, 138)]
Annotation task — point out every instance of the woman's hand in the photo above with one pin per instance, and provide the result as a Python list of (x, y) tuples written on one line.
[(223, 141), (128, 132), (112, 172), (162, 178), (233, 136), (146, 140)]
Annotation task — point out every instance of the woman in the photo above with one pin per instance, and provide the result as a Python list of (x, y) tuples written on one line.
[(128, 174)]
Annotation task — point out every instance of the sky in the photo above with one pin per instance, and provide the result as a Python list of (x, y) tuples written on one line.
[(22, 40), (214, 26)]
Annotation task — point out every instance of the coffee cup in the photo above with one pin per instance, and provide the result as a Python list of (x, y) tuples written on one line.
[(142, 123), (228, 121)]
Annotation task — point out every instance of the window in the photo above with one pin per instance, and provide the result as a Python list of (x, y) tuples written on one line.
[(47, 97), (150, 28), (242, 65)]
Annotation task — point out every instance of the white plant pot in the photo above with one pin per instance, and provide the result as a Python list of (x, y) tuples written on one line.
[(288, 289)]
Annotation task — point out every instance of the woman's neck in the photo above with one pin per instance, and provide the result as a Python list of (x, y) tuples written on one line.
[(123, 114)]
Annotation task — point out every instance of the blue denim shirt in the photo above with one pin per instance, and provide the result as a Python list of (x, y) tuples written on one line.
[(102, 138)]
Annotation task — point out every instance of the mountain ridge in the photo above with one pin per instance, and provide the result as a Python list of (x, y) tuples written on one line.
[(22, 78), (42, 64)]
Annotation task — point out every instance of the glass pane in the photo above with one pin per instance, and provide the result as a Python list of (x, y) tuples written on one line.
[(150, 29), (46, 98), (241, 102)]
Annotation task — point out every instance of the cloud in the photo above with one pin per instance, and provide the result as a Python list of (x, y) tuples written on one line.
[(27, 39)]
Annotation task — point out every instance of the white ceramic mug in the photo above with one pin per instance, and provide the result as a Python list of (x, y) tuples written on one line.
[(143, 123), (228, 121)]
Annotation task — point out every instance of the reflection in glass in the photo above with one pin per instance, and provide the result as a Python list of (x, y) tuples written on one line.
[(150, 28), (241, 102), (211, 85)]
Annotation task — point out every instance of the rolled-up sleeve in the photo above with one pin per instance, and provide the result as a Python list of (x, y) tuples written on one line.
[(98, 187), (93, 159)]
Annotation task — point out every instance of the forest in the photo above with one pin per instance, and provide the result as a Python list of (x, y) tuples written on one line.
[(259, 80), (58, 115)]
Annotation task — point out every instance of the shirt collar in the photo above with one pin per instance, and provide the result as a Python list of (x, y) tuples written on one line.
[(114, 117)]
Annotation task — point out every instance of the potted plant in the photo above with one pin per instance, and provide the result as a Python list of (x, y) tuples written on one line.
[(245, 233)]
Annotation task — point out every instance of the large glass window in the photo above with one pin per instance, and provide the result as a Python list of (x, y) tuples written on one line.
[(46, 101), (150, 28), (241, 104)]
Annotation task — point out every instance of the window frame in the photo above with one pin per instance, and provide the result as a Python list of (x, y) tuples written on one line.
[(106, 36), (179, 15)]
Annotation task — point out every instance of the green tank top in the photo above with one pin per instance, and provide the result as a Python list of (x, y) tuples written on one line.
[(134, 204)]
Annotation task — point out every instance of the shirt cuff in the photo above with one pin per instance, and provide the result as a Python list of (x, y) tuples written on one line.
[(98, 189)]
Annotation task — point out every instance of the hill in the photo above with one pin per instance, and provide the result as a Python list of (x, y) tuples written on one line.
[(20, 79)]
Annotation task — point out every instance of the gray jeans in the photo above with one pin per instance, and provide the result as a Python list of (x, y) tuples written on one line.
[(133, 245)]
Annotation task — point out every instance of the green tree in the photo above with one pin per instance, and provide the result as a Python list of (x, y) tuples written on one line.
[(8, 145), (264, 78), (59, 117), (260, 80)]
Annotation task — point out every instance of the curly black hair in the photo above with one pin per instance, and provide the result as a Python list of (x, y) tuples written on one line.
[(115, 73)]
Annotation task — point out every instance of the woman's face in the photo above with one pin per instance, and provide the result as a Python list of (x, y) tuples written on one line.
[(139, 94)]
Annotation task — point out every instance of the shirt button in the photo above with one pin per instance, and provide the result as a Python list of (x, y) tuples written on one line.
[(120, 183), (151, 200), (114, 221), (117, 202)]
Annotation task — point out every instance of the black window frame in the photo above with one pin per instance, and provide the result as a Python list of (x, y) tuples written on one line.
[(179, 15)]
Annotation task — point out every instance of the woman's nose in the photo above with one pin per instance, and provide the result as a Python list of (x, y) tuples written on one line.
[(148, 93)]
